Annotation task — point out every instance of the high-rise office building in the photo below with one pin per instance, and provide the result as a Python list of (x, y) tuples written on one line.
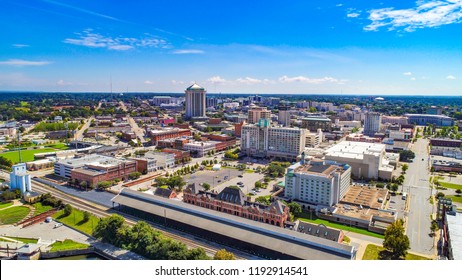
[(372, 123), (257, 113), (195, 101)]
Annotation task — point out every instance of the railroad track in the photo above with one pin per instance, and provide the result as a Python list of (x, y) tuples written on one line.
[(102, 211)]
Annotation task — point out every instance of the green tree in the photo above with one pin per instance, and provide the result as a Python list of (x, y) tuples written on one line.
[(67, 210), (405, 167), (258, 184), (86, 216), (295, 208), (206, 186), (108, 229), (224, 255), (134, 175), (396, 242), (434, 226)]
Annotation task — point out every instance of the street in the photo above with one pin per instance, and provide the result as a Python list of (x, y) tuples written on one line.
[(417, 186)]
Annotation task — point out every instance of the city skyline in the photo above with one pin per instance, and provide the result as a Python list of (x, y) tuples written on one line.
[(383, 48)]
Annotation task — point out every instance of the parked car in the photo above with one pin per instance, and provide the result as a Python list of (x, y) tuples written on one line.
[(240, 176), (57, 225)]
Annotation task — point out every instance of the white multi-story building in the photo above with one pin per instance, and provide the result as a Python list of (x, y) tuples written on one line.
[(367, 160), (262, 140), (200, 148), (372, 123), (195, 101), (158, 100), (317, 182), (161, 160), (20, 179)]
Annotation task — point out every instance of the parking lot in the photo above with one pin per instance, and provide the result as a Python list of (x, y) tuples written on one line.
[(213, 178), (397, 203)]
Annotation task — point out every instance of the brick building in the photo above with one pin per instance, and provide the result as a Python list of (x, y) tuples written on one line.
[(167, 133), (107, 169), (234, 202)]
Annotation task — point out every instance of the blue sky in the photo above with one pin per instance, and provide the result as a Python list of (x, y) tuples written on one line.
[(351, 47)]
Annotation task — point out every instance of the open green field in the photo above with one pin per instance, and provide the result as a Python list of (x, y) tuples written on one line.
[(20, 239), (455, 198), (5, 204), (13, 214), (451, 185), (75, 220), (59, 146), (66, 245), (26, 155), (39, 208), (315, 220), (372, 253)]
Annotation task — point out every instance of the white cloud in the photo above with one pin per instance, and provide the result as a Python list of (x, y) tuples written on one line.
[(450, 77), (339, 5), (216, 80), (94, 40), (407, 73), (249, 81), (302, 79), (426, 13), (20, 62), (188, 52), (19, 46), (413, 79), (177, 82), (63, 83), (353, 15), (147, 82)]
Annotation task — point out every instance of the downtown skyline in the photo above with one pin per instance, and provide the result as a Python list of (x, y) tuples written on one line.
[(320, 47)]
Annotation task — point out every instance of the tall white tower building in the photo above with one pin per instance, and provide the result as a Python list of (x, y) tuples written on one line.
[(195, 101)]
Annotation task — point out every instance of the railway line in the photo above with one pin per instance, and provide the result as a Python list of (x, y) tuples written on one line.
[(102, 211)]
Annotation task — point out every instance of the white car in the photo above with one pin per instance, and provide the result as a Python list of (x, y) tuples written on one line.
[(57, 225)]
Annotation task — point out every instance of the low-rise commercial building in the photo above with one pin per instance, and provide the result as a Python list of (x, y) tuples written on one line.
[(426, 119), (367, 160), (167, 133), (200, 149)]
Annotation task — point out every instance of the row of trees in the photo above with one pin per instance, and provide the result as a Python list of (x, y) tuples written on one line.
[(173, 182), (149, 243)]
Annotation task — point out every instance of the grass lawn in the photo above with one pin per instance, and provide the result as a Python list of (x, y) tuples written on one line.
[(13, 215), (315, 220), (455, 198), (75, 220), (59, 146), (67, 245), (451, 185), (5, 204), (20, 239), (26, 155), (39, 208), (372, 253)]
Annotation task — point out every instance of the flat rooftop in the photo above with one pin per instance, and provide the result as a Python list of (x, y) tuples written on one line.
[(365, 196), (324, 170), (355, 150), (455, 233), (94, 159)]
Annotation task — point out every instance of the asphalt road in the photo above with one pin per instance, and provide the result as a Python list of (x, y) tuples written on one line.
[(416, 184)]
